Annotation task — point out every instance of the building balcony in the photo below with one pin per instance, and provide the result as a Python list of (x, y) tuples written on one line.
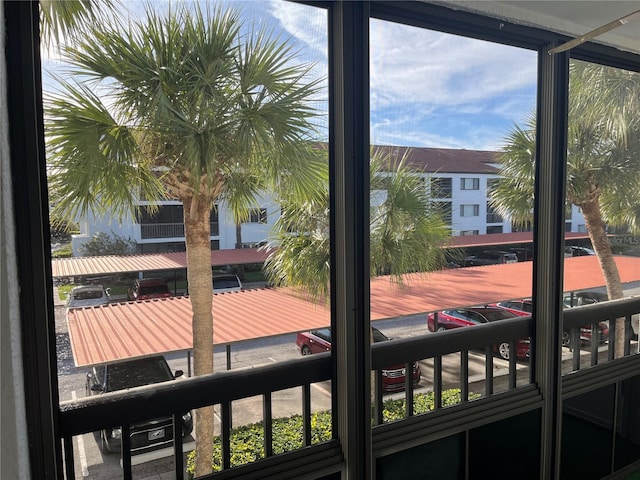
[(494, 218), (169, 230)]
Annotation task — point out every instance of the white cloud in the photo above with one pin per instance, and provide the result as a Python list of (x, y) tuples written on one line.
[(410, 65)]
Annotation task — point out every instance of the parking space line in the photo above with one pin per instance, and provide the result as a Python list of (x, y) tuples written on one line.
[(82, 453)]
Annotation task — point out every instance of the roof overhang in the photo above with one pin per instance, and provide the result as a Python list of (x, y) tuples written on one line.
[(571, 18), (135, 329)]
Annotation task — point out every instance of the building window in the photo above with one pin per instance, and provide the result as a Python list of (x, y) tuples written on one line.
[(444, 210), (440, 187), (582, 228), (492, 184), (469, 184), (469, 210), (464, 233), (495, 229), (258, 215), (568, 212), (492, 215)]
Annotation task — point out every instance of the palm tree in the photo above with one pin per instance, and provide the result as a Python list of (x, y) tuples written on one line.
[(406, 234), (64, 20), (602, 162), (178, 106)]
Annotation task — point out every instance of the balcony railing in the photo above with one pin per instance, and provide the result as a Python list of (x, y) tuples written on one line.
[(494, 218), (517, 392), (169, 230)]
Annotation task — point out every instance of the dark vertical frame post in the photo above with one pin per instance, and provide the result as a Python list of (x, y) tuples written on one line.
[(349, 214), (548, 236), (33, 257)]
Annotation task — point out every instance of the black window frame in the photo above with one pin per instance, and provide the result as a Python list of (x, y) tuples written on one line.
[(30, 199)]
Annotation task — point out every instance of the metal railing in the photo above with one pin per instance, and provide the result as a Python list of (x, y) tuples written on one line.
[(494, 218), (462, 341), (598, 321), (172, 398), (169, 230)]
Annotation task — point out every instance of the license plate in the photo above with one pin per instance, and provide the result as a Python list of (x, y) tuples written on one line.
[(156, 434)]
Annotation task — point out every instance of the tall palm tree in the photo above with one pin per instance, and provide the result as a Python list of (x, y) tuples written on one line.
[(177, 105), (603, 169), (406, 232)]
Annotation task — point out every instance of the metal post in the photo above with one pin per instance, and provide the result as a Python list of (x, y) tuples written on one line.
[(549, 211), (349, 226)]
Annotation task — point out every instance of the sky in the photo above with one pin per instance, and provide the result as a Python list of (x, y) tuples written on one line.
[(427, 89)]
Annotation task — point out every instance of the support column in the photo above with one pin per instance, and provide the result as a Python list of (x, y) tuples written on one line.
[(548, 236), (349, 205)]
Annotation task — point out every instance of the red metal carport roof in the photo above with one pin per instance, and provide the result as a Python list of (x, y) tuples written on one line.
[(69, 267), (117, 331)]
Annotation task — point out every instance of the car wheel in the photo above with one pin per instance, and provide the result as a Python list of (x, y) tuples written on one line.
[(305, 350), (566, 339), (442, 329), (503, 350)]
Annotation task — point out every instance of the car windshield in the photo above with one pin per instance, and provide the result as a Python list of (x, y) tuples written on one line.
[(87, 294), (135, 373), (225, 282), (149, 289)]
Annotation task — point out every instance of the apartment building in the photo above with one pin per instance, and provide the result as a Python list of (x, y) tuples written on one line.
[(459, 181)]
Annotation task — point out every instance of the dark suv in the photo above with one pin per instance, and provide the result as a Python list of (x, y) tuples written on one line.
[(145, 436), (148, 288)]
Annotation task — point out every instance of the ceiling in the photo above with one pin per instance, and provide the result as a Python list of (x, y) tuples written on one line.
[(572, 18)]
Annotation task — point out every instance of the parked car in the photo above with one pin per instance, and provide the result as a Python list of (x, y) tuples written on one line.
[(317, 341), (586, 297), (490, 257), (88, 296), (466, 317), (589, 297), (226, 283), (145, 436), (572, 251), (148, 288), (523, 308)]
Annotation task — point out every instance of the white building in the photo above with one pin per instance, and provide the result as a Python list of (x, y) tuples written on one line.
[(459, 180)]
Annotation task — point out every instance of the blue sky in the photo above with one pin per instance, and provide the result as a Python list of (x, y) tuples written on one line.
[(427, 89)]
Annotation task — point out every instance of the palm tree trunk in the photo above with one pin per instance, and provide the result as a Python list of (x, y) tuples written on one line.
[(238, 235), (198, 243), (597, 234)]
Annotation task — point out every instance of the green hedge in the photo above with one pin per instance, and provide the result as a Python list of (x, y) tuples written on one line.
[(247, 441)]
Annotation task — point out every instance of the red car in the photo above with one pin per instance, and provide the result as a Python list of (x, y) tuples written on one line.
[(317, 341), (465, 317), (523, 308)]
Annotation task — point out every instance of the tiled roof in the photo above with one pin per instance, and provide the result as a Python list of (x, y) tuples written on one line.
[(69, 267), (116, 331), (444, 160)]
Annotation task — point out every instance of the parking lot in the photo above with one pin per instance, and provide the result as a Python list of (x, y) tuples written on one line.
[(92, 463)]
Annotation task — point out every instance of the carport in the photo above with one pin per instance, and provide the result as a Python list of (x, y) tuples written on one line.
[(70, 267), (134, 329)]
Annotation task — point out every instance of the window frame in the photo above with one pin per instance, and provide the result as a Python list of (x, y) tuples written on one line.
[(475, 208), (469, 183)]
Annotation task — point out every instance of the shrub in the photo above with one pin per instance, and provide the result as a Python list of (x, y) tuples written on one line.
[(104, 244), (247, 441), (63, 252)]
